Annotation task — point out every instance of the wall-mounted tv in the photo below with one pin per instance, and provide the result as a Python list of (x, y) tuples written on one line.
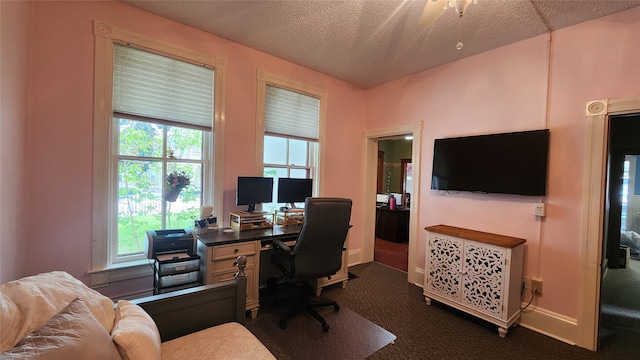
[(506, 163)]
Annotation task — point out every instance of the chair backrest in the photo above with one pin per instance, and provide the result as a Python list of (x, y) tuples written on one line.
[(321, 241)]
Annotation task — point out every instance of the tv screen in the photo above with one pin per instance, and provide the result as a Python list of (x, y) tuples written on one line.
[(292, 190), (507, 163), (252, 190)]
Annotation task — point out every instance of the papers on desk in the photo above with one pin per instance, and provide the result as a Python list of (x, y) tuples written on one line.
[(173, 256)]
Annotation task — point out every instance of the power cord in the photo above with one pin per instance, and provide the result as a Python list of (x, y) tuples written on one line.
[(533, 295)]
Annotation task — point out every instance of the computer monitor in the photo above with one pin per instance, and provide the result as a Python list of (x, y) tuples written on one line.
[(253, 190), (291, 191), (382, 198)]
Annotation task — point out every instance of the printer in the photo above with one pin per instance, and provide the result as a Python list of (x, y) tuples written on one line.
[(171, 241)]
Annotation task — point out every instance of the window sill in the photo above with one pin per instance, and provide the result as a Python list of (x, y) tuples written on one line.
[(120, 272)]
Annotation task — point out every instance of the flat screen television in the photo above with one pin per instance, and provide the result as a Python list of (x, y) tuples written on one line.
[(253, 190), (506, 163), (291, 190)]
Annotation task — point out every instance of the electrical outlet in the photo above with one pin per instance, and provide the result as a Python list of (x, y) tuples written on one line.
[(536, 287), (539, 209)]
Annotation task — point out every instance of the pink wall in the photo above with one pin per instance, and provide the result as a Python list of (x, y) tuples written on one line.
[(506, 90), (501, 90), (60, 125), (14, 67)]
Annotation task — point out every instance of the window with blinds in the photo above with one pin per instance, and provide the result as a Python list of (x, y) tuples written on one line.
[(161, 88), (291, 133), (163, 110), (291, 114)]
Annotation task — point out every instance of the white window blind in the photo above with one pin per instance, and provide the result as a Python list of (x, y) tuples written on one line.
[(290, 113), (155, 86)]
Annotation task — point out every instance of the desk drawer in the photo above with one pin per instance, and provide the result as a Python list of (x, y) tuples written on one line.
[(234, 250), (252, 284), (228, 264)]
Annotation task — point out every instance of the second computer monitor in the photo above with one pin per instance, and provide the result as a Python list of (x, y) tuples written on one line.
[(291, 191)]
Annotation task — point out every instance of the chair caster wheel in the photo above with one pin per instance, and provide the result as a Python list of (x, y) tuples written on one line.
[(336, 307), (325, 327), (282, 324)]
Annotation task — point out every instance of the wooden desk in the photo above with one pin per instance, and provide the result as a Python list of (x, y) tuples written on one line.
[(392, 225), (218, 252)]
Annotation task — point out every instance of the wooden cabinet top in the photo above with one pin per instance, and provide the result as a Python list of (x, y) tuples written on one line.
[(484, 237)]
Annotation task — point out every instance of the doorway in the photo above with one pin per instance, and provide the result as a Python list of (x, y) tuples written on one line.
[(391, 246), (371, 139), (620, 285), (592, 266)]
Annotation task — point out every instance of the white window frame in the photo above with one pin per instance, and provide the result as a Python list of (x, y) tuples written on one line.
[(264, 79), (103, 270)]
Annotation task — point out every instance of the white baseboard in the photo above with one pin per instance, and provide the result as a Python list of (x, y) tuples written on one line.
[(354, 257), (546, 322), (543, 321)]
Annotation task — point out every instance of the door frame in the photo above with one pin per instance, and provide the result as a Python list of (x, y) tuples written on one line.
[(598, 113), (371, 138), (403, 179)]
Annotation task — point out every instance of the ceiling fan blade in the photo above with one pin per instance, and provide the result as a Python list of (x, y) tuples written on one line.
[(432, 11)]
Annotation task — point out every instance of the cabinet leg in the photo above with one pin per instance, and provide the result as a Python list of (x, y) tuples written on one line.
[(344, 284), (427, 300), (318, 291), (502, 332), (254, 313)]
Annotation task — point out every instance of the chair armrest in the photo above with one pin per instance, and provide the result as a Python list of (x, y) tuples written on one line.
[(186, 311), (280, 244)]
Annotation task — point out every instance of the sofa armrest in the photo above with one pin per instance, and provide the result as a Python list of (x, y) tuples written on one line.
[(186, 311)]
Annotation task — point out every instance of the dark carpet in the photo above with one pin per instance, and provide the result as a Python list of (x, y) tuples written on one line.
[(620, 312), (382, 295), (350, 336)]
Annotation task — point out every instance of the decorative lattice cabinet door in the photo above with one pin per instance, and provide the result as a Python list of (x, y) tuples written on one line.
[(477, 272), (483, 278), (444, 265)]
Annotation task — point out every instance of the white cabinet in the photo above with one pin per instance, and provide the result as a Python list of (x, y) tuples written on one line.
[(476, 272)]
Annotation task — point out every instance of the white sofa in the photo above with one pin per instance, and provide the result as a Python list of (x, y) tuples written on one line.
[(55, 316)]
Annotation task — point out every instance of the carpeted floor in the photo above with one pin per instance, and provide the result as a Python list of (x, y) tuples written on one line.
[(303, 337), (620, 314), (382, 295)]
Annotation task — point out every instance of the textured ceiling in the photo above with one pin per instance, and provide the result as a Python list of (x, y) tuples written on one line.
[(371, 42)]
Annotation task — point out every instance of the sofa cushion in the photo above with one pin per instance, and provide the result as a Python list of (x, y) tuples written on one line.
[(227, 341), (135, 333), (73, 333), (41, 296), (9, 321)]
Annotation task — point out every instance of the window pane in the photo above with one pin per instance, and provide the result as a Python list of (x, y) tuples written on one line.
[(139, 138), (275, 150), (183, 143), (298, 152), (275, 173), (186, 208), (299, 173), (139, 204)]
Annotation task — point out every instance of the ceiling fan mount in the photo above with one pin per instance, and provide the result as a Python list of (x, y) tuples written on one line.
[(434, 8)]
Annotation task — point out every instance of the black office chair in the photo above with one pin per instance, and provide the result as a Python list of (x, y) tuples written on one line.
[(317, 252)]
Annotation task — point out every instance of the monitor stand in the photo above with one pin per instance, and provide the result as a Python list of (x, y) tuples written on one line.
[(293, 208)]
